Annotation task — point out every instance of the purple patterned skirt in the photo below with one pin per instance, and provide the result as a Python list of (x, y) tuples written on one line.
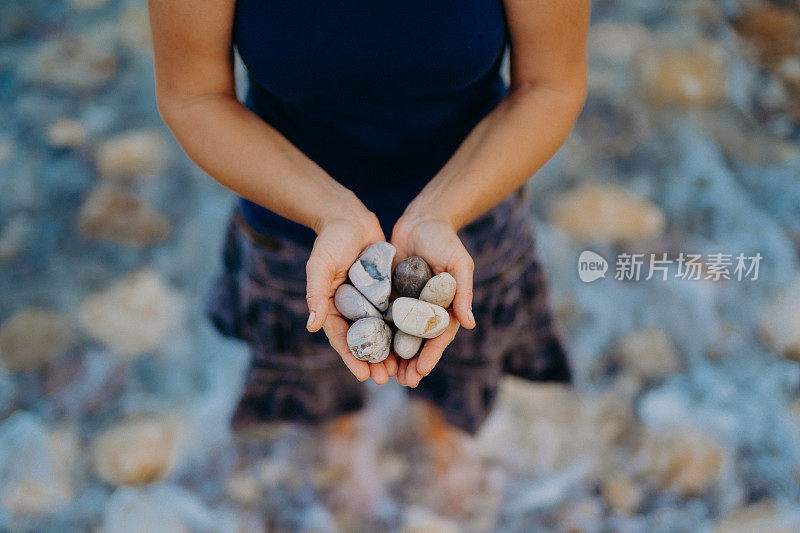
[(295, 375)]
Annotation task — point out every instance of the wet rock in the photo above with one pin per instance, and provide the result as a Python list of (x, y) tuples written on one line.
[(371, 274), (648, 354), (410, 276), (370, 340), (607, 213), (691, 77), (66, 133), (134, 316), (77, 62), (418, 318), (440, 290), (352, 304), (33, 338), (780, 325), (137, 450), (122, 217), (405, 345), (131, 155), (621, 494)]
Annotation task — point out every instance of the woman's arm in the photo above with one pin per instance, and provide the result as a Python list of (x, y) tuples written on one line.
[(197, 100), (548, 88)]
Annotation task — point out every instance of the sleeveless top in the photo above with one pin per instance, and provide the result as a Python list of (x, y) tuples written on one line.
[(378, 93)]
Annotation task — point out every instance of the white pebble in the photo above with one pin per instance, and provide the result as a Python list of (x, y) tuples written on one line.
[(370, 339), (405, 345), (440, 290), (352, 304), (371, 274), (418, 318)]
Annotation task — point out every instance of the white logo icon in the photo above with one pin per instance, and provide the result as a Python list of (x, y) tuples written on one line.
[(591, 266)]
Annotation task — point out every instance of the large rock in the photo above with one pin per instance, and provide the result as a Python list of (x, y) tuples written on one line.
[(780, 324), (122, 217), (418, 318), (137, 451), (135, 315), (684, 77), (648, 354), (371, 274), (131, 155), (607, 213), (31, 339)]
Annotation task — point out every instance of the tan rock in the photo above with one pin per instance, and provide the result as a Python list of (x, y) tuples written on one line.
[(439, 290), (773, 31), (31, 339), (122, 217), (131, 155), (763, 516), (692, 77), (647, 353), (621, 494), (418, 318), (66, 133), (244, 488), (134, 316), (137, 450), (780, 325), (687, 462), (607, 213), (617, 40)]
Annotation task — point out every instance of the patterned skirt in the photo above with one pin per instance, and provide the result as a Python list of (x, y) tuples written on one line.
[(295, 375)]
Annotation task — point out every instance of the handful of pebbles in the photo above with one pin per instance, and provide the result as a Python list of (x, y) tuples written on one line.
[(418, 313)]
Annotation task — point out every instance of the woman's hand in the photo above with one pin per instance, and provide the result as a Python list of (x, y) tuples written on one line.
[(339, 243), (435, 240)]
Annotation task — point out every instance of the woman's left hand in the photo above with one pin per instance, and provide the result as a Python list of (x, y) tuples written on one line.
[(435, 240)]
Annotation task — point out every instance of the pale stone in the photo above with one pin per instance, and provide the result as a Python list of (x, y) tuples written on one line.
[(137, 450), (79, 62), (692, 77), (647, 353), (16, 236), (244, 488), (607, 213), (135, 315), (780, 324), (440, 290), (32, 338), (131, 155), (419, 318), (763, 516), (371, 274), (405, 345), (387, 315), (134, 29), (352, 304), (370, 339), (685, 461), (621, 494), (619, 41), (66, 133), (122, 217), (410, 276)]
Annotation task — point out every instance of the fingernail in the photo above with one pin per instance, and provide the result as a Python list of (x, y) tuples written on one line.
[(471, 316), (311, 318)]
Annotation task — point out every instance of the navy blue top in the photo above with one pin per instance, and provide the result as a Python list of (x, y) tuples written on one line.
[(378, 93)]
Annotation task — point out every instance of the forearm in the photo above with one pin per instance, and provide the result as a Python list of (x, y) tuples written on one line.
[(502, 152), (250, 157)]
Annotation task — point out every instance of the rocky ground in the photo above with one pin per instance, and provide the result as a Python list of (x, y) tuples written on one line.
[(685, 416)]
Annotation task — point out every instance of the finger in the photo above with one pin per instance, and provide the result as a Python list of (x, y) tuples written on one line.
[(336, 330), (379, 373), (391, 365), (462, 304), (412, 376), (319, 281), (432, 350), (401, 372)]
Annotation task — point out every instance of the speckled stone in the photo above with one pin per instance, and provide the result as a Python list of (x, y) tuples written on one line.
[(440, 290), (352, 304), (418, 318), (410, 276), (405, 345), (370, 339), (371, 274)]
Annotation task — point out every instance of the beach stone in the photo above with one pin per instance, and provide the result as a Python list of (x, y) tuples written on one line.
[(780, 324), (621, 494), (773, 31), (410, 276), (32, 338), (137, 450), (440, 290), (76, 62), (418, 318), (405, 345), (66, 133), (352, 304), (673, 76), (647, 353), (387, 315), (371, 274), (130, 155), (370, 339), (122, 217)]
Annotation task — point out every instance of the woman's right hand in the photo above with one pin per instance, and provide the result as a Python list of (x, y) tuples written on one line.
[(339, 243)]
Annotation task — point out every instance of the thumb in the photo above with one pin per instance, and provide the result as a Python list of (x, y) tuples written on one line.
[(319, 279), (462, 304)]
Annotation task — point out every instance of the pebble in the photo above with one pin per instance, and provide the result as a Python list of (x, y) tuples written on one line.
[(405, 345), (352, 304), (418, 318), (131, 155), (369, 339), (387, 315), (66, 133), (440, 290), (372, 274), (410, 276), (33, 338), (120, 216)]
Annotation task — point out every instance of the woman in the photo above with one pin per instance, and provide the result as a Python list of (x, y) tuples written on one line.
[(367, 120)]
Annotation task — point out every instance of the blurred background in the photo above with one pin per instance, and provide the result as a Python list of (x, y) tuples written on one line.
[(115, 393)]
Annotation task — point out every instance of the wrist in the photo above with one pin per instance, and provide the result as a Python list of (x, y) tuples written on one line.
[(423, 210), (344, 206)]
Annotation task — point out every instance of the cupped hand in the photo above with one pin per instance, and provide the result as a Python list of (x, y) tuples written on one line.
[(339, 243), (436, 241)]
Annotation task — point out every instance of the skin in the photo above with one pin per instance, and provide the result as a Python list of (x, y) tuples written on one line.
[(196, 98)]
